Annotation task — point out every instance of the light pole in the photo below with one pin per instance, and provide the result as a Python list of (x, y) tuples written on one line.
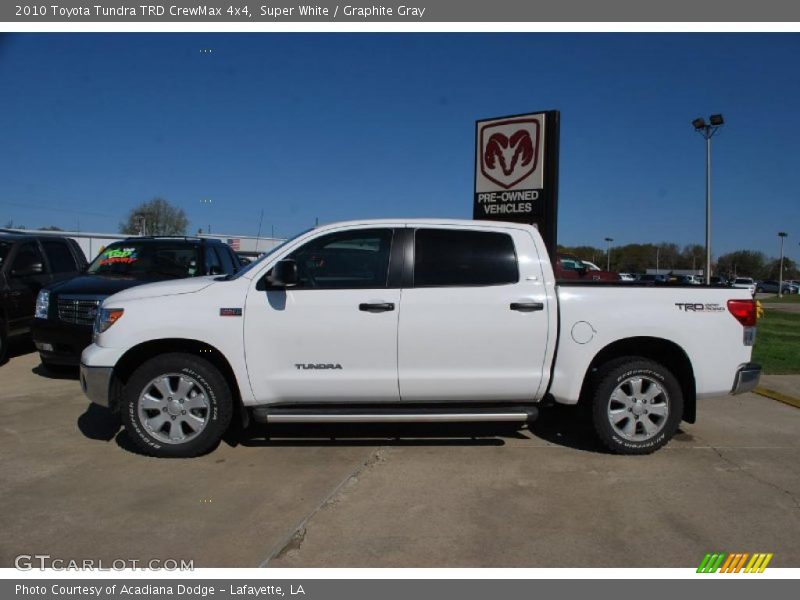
[(782, 235), (608, 254), (658, 252), (708, 131), (206, 201), (142, 223)]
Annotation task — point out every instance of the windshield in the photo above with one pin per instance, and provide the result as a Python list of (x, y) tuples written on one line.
[(148, 260), (744, 280), (4, 249), (268, 253)]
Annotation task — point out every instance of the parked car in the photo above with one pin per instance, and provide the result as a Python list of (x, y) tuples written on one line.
[(654, 278), (312, 333), (745, 283), (719, 280), (627, 277), (65, 311), (770, 286), (27, 263), (569, 266), (245, 259), (684, 279), (591, 266)]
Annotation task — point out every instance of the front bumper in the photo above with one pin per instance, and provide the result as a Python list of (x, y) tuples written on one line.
[(96, 383), (60, 343), (746, 379)]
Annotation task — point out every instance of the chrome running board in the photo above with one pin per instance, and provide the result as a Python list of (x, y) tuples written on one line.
[(396, 418), (299, 413)]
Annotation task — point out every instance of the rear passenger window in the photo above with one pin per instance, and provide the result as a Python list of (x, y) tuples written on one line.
[(449, 257), (60, 257)]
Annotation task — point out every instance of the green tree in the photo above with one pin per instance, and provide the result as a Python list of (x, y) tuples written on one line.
[(693, 256), (770, 270), (741, 263), (633, 258), (158, 217)]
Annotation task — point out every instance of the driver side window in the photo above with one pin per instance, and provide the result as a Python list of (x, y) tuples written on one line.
[(355, 259), (27, 257)]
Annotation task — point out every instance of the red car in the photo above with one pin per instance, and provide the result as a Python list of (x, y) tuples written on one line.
[(568, 266)]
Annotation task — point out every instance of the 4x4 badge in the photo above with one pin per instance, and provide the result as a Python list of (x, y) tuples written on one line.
[(230, 312)]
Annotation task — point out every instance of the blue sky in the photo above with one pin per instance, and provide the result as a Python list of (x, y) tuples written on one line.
[(338, 126)]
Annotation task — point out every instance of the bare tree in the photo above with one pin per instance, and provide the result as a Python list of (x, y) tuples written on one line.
[(155, 217)]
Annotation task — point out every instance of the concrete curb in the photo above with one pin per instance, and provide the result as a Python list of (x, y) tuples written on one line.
[(767, 393)]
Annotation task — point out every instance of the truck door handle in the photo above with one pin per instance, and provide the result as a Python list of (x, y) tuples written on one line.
[(376, 306), (527, 306)]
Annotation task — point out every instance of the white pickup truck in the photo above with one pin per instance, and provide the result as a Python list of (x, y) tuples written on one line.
[(412, 320)]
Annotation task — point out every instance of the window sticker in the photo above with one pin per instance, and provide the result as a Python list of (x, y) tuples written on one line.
[(119, 255)]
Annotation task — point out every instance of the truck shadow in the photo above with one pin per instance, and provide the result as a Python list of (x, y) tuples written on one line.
[(568, 426), (377, 434), (18, 347), (559, 425), (99, 423), (56, 372)]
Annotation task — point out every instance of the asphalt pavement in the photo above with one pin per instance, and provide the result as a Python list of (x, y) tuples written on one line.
[(74, 487)]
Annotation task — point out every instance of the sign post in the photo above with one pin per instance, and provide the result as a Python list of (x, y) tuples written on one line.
[(516, 171)]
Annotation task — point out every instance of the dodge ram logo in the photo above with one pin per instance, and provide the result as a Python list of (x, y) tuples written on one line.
[(510, 150)]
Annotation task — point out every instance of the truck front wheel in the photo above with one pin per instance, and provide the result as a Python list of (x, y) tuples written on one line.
[(176, 405), (637, 405)]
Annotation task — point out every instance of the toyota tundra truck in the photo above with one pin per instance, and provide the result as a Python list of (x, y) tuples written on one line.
[(412, 321)]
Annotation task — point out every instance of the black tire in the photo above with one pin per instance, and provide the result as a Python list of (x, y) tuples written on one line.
[(3, 342), (217, 413), (621, 373)]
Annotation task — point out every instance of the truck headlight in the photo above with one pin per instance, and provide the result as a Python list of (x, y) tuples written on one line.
[(106, 317), (42, 304)]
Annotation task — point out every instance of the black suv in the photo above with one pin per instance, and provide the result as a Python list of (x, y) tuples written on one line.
[(66, 311), (29, 262)]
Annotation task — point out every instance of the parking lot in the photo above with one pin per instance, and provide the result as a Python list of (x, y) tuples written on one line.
[(388, 496)]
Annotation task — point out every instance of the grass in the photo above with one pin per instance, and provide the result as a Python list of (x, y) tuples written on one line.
[(787, 299), (778, 343)]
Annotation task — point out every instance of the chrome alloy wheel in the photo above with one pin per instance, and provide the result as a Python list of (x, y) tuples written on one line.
[(173, 408), (638, 408)]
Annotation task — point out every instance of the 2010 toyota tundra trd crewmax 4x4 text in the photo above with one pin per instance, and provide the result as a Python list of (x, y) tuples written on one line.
[(412, 320)]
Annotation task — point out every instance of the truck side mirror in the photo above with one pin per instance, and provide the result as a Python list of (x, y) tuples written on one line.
[(284, 273)]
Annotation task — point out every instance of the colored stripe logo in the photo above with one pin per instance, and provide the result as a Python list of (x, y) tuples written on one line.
[(741, 562)]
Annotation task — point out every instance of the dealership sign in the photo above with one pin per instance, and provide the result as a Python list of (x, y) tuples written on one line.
[(516, 171)]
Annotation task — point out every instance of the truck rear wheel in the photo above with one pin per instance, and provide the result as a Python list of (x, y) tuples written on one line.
[(637, 405), (176, 405)]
